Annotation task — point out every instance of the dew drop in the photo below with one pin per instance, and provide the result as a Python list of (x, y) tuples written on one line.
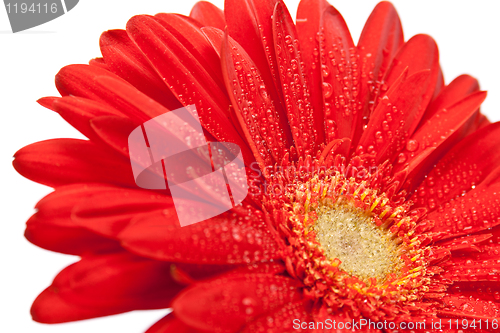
[(327, 89), (247, 301), (385, 125), (263, 92), (412, 145), (325, 70)]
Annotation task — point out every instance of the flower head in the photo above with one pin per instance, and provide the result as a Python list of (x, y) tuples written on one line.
[(373, 186)]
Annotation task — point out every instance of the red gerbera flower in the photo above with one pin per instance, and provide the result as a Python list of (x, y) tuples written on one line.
[(374, 192)]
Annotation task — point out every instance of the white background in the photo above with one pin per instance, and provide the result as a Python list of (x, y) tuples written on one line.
[(467, 34)]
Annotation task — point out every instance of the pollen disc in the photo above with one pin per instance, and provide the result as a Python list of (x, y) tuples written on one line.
[(349, 234)]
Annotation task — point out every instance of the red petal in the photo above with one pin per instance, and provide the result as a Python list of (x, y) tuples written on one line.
[(475, 266), (228, 303), (475, 123), (249, 22), (130, 101), (208, 15), (49, 308), (266, 130), (270, 268), (340, 77), (282, 320), (487, 291), (308, 19), (467, 308), (439, 84), (154, 39), (419, 53), (482, 121), (214, 36), (187, 78), (126, 60), (108, 213), (479, 209), (192, 38), (78, 80), (187, 274), (74, 211), (436, 136), (79, 111), (103, 285), (380, 39), (170, 324), (56, 207), (59, 162), (392, 118), (463, 167), (465, 243), (72, 240), (295, 89), (46, 102), (105, 87), (191, 273), (458, 89), (99, 62), (113, 131), (220, 240)]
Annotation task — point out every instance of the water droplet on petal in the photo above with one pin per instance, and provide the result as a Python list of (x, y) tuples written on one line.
[(263, 92), (325, 70), (327, 89), (412, 145)]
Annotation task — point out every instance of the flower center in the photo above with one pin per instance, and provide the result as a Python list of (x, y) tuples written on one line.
[(350, 235), (349, 240)]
